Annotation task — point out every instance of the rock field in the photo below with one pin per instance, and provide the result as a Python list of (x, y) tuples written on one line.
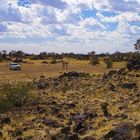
[(78, 106)]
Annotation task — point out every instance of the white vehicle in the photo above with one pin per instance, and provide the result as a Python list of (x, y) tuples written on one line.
[(15, 66)]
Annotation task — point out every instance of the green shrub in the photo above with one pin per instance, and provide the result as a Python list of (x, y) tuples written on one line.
[(108, 63), (13, 95), (65, 88), (5, 105), (34, 57), (94, 61)]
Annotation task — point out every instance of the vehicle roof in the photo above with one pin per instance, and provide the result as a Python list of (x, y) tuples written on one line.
[(14, 64)]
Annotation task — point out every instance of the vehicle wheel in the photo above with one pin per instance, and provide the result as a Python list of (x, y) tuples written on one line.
[(18, 68)]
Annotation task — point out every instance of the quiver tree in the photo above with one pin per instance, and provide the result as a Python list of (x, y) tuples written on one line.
[(134, 62), (137, 45)]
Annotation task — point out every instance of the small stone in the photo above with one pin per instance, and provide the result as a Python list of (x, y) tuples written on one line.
[(89, 138), (78, 126), (50, 122), (82, 131), (1, 134), (65, 130), (18, 133), (73, 136), (137, 128)]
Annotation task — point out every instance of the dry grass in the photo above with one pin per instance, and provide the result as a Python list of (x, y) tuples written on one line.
[(88, 95), (34, 69)]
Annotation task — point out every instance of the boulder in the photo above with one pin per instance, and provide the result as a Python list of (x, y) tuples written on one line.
[(112, 72), (118, 137), (72, 136), (104, 107), (88, 138), (129, 85), (123, 130), (137, 127), (66, 129), (1, 134), (50, 122), (18, 132), (77, 127), (5, 120), (133, 64), (74, 74), (78, 117)]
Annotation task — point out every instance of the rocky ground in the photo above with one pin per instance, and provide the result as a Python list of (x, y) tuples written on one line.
[(78, 106)]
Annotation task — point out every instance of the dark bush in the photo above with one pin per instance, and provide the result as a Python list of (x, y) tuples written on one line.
[(53, 61), (133, 64), (109, 63), (94, 60), (13, 95)]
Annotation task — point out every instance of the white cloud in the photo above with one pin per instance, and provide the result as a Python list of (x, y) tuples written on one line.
[(125, 17), (60, 4), (61, 24)]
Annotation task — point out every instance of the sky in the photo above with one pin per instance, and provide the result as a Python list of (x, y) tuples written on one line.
[(78, 26)]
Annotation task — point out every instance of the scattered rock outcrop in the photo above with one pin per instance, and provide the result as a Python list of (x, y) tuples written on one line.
[(78, 106)]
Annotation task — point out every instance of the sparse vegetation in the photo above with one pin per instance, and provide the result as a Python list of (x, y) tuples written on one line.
[(108, 63), (13, 95), (53, 61), (76, 102), (94, 61), (137, 45)]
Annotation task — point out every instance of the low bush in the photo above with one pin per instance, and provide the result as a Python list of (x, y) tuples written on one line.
[(94, 61), (109, 63), (13, 95), (53, 61)]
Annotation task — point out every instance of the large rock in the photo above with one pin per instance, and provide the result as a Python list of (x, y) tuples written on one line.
[(104, 107), (133, 64), (5, 120), (1, 134), (118, 137), (112, 72), (66, 130), (88, 138), (78, 127), (73, 136), (129, 85), (137, 127), (78, 117), (74, 74), (122, 131), (50, 122)]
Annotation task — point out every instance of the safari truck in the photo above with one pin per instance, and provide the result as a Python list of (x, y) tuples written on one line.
[(15, 66)]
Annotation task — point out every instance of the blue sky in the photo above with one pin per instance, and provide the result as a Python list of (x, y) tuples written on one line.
[(78, 26)]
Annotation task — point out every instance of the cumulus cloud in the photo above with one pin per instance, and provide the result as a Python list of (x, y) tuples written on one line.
[(108, 25), (54, 3), (117, 6), (127, 16)]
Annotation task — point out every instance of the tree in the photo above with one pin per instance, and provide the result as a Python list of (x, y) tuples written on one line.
[(134, 61), (19, 53), (3, 55), (91, 54), (93, 58), (137, 45), (108, 63), (12, 53), (43, 55)]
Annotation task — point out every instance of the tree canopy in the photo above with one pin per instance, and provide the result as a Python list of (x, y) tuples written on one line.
[(137, 45)]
